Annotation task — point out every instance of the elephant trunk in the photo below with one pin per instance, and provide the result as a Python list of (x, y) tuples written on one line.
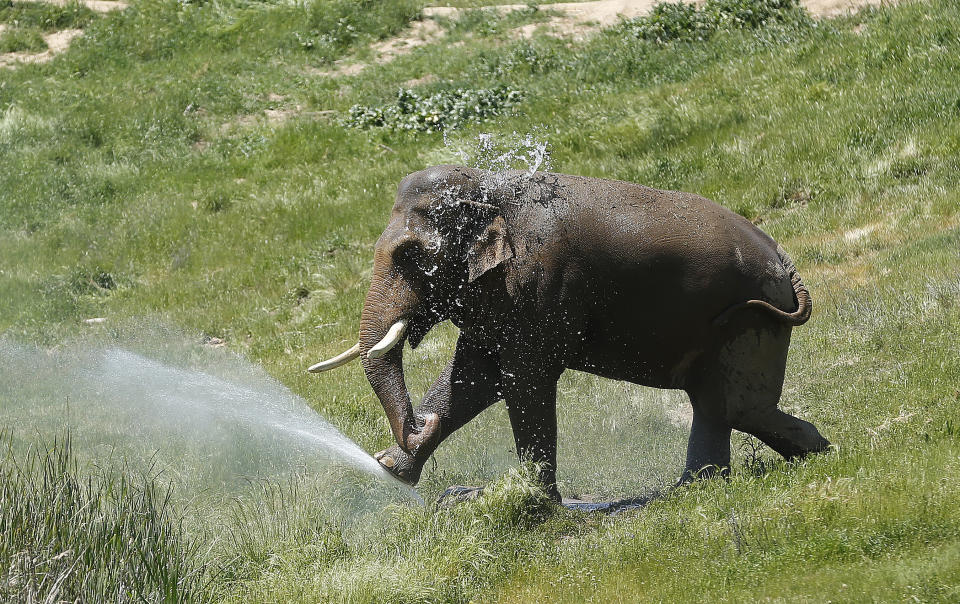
[(389, 301)]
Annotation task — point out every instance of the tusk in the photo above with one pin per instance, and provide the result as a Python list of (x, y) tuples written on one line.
[(341, 359), (394, 335)]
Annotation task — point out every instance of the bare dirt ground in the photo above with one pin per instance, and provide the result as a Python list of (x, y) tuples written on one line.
[(575, 20), (101, 6), (57, 41)]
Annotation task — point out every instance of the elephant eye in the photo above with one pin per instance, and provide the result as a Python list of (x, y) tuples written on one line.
[(409, 253), (415, 259)]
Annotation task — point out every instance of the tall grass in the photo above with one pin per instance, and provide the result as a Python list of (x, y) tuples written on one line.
[(69, 535)]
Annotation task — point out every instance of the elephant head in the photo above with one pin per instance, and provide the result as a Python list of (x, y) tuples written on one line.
[(443, 235)]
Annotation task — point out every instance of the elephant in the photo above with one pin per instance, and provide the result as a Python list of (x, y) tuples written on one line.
[(543, 272)]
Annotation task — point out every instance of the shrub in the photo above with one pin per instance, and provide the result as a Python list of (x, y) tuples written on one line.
[(679, 21), (444, 109)]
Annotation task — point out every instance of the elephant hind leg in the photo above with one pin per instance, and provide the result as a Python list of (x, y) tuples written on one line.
[(789, 436), (742, 383)]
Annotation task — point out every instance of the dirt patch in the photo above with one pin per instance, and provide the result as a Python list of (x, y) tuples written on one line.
[(101, 6), (270, 117), (600, 12), (420, 33), (426, 79), (276, 115), (342, 67), (558, 27), (832, 8), (857, 234), (57, 42)]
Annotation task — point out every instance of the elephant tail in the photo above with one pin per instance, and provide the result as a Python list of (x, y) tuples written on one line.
[(800, 292)]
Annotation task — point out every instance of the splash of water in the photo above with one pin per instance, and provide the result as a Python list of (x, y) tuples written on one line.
[(500, 153), (507, 161), (194, 401), (201, 431)]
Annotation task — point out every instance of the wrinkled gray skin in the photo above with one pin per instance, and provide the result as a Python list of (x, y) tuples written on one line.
[(549, 272)]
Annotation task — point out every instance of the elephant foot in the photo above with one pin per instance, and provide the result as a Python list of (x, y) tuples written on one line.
[(458, 494), (704, 473), (401, 464)]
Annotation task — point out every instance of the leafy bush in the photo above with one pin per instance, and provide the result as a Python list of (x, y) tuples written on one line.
[(672, 21), (451, 108), (679, 21), (750, 14)]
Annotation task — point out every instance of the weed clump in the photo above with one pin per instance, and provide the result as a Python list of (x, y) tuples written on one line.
[(447, 109), (515, 500), (669, 21)]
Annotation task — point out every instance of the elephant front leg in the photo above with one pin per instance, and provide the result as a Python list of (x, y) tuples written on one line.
[(532, 405), (469, 384)]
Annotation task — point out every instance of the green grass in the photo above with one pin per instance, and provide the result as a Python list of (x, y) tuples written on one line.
[(22, 40), (46, 16), (189, 162), (69, 535)]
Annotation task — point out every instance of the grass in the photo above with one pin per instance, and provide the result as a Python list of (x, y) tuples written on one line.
[(22, 24), (46, 16), (189, 161), (69, 535), (22, 40)]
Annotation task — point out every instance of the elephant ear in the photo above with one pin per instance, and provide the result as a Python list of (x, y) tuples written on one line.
[(491, 248)]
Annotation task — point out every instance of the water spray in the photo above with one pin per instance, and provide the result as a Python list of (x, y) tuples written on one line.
[(212, 425)]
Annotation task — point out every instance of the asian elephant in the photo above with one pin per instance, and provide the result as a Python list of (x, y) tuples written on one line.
[(543, 272)]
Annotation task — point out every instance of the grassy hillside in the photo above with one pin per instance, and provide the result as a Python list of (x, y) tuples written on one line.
[(197, 163)]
